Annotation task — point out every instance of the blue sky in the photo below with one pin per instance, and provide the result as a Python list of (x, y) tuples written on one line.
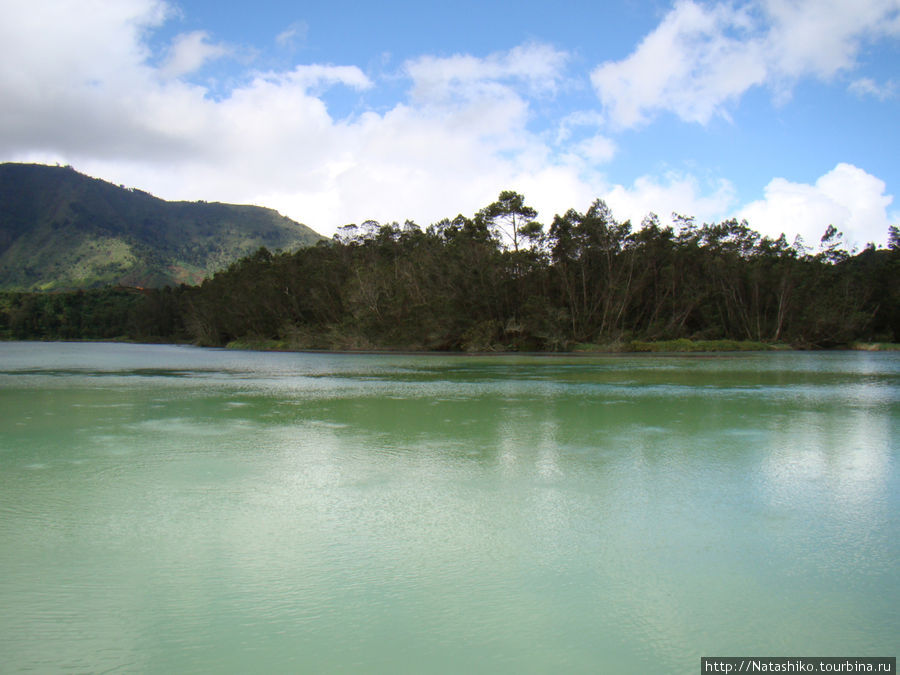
[(784, 112)]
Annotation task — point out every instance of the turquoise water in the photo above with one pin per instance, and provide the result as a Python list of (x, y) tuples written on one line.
[(175, 509)]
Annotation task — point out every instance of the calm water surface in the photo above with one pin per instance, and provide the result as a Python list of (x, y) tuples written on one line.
[(174, 509)]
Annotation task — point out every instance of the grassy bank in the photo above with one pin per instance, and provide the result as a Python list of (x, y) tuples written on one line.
[(633, 347), (636, 346), (875, 346), (682, 345)]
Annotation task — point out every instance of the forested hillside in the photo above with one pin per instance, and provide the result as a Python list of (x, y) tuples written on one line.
[(60, 229), (501, 281)]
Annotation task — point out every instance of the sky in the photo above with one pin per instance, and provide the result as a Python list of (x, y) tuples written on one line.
[(785, 113)]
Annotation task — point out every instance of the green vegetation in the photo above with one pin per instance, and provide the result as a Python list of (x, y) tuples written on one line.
[(259, 345), (586, 283), (62, 230), (95, 314), (875, 346), (685, 345)]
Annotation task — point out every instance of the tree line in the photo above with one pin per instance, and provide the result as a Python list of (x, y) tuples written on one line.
[(499, 280)]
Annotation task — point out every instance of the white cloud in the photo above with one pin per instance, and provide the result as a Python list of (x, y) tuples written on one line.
[(823, 37), (597, 149), (674, 193), (866, 86), (460, 138), (316, 75), (110, 112), (438, 79), (69, 43), (846, 197), (191, 51), (78, 85), (701, 58), (696, 60), (292, 35), (74, 79), (579, 118)]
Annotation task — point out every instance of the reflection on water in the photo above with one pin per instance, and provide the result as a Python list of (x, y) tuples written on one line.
[(180, 509)]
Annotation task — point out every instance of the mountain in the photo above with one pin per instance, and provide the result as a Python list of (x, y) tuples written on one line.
[(62, 229)]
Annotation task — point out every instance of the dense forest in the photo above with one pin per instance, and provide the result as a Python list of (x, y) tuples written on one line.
[(501, 281)]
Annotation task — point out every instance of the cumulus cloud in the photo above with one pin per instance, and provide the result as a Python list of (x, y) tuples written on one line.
[(59, 48), (74, 79), (80, 84), (823, 37), (82, 87), (701, 58), (847, 197), (696, 60), (679, 193)]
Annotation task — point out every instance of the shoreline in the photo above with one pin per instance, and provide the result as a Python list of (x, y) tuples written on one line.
[(681, 347)]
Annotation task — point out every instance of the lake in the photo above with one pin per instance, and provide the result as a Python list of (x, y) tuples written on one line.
[(176, 509)]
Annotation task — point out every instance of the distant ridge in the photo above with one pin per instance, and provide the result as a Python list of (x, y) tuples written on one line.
[(60, 229)]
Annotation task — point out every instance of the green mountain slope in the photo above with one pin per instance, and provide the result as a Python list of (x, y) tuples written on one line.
[(62, 229)]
